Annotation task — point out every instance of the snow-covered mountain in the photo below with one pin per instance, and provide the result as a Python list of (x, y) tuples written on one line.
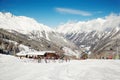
[(21, 23), (92, 33), (30, 32), (24, 25), (99, 24)]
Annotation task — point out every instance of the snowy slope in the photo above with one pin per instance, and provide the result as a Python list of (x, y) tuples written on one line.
[(12, 68)]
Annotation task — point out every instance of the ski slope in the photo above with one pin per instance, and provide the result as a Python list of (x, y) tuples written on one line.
[(12, 68)]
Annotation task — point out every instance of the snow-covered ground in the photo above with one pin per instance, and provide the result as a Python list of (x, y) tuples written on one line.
[(13, 68)]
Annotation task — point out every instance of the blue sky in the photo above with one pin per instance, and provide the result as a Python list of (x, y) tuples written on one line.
[(55, 12)]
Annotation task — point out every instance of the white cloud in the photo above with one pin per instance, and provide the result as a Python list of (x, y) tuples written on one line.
[(73, 11)]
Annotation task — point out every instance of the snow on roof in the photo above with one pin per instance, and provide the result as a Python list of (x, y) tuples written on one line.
[(34, 53), (21, 54)]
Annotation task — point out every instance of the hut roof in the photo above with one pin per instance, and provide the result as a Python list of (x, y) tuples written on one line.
[(34, 53)]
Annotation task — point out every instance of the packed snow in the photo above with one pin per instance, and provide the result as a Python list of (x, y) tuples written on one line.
[(13, 68)]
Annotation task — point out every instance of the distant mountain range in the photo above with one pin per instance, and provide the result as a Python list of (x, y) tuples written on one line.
[(99, 34)]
